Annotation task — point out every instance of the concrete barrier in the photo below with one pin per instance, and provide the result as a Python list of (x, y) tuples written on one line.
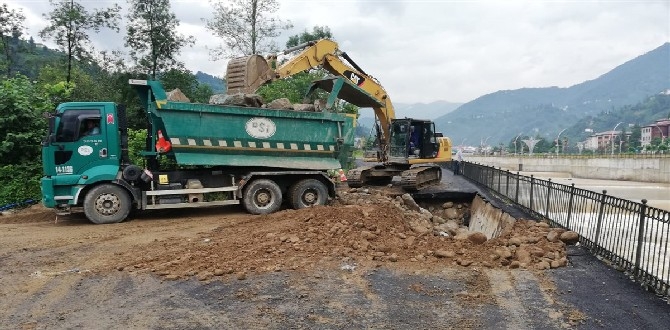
[(625, 169), (488, 219)]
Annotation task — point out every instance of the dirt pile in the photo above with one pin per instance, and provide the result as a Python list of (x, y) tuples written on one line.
[(363, 228)]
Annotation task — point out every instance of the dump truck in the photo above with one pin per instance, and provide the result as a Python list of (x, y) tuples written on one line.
[(409, 148), (196, 155)]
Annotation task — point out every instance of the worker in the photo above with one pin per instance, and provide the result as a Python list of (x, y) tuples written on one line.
[(92, 128), (458, 158), (413, 140)]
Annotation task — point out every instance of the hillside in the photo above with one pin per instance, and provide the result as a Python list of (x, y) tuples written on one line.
[(430, 110), (545, 111), (218, 85)]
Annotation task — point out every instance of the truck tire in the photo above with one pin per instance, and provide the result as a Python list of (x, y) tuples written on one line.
[(107, 203), (262, 197), (308, 192)]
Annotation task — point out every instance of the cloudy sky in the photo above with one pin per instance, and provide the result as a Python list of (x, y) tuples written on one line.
[(428, 50)]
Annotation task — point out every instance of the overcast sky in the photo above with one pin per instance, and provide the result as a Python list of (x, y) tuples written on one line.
[(428, 50)]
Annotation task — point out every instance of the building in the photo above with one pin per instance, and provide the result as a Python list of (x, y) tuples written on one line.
[(657, 130), (601, 140)]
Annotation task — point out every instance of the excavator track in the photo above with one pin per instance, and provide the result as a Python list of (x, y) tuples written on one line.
[(356, 177), (420, 177)]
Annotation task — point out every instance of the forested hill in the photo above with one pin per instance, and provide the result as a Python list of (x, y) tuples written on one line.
[(545, 111)]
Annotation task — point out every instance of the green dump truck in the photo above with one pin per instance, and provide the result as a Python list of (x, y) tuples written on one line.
[(224, 155)]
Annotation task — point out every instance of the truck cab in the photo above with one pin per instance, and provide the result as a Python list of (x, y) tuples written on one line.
[(81, 148)]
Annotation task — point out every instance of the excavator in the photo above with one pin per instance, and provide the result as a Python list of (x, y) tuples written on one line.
[(408, 147)]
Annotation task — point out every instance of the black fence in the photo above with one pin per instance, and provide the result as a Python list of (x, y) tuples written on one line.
[(631, 236)]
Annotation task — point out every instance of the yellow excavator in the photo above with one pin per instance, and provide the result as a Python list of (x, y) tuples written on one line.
[(409, 148)]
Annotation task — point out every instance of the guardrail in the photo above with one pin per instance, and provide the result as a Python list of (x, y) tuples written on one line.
[(632, 236), (577, 156)]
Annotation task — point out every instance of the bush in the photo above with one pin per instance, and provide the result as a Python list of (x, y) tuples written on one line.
[(20, 182)]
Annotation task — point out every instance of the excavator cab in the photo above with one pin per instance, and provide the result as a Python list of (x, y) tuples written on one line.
[(412, 139)]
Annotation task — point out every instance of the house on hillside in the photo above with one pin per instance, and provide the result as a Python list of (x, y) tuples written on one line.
[(659, 130)]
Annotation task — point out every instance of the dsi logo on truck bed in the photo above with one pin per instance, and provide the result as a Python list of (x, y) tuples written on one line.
[(260, 128)]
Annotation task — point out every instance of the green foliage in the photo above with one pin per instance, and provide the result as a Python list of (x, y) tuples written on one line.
[(318, 33), (21, 122), (70, 24), (20, 182), (187, 83), (246, 26), (152, 36), (293, 88), (136, 143), (11, 27)]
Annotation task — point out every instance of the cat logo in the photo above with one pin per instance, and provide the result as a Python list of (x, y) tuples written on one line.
[(354, 77)]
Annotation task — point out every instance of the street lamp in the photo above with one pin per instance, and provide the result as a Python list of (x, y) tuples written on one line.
[(515, 142), (612, 136), (558, 138)]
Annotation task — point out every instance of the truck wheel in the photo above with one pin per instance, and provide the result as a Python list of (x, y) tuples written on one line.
[(107, 203), (308, 192), (262, 197)]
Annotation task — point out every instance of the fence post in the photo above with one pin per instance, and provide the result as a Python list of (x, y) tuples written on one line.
[(516, 198), (499, 178), (546, 210), (507, 184), (532, 183), (572, 197), (601, 214), (640, 237)]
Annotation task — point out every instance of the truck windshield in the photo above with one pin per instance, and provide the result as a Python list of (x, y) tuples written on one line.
[(72, 124)]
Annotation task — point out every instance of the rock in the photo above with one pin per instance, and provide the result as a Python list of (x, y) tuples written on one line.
[(242, 276), (542, 225), (477, 238), (464, 262), (282, 103), (462, 236), (448, 205), (562, 262), (444, 254), (320, 105), (119, 268), (515, 264), (393, 258), (436, 219), (542, 265), (383, 249), (246, 100), (304, 107), (523, 256), (218, 272), (569, 237), (451, 213), (514, 241), (409, 241), (532, 239), (536, 252), (410, 203), (504, 253), (204, 276), (171, 277), (555, 264), (555, 235), (177, 95)]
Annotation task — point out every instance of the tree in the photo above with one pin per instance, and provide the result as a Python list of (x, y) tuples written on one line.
[(152, 38), (246, 27), (69, 25), (318, 33), (11, 26)]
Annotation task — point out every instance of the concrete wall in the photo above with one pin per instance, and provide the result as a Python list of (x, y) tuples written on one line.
[(625, 169), (488, 219)]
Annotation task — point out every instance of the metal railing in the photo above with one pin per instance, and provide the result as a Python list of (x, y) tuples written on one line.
[(631, 236)]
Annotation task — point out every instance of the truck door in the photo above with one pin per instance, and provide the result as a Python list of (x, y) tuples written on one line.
[(80, 141)]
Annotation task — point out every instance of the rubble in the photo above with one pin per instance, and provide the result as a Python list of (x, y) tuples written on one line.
[(361, 227)]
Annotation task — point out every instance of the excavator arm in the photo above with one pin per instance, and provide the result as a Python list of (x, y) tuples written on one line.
[(246, 74)]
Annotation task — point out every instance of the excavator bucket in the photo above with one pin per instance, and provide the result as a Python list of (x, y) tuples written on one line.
[(246, 74)]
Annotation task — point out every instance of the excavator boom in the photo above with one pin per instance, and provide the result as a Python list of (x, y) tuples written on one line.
[(247, 74)]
